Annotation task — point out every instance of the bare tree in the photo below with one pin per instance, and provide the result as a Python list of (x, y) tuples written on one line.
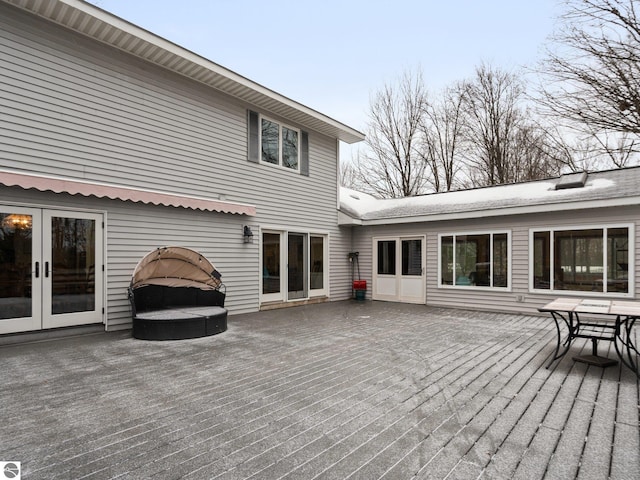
[(475, 133), (492, 114), (587, 149), (561, 150), (532, 154), (391, 166), (349, 176), (593, 78), (504, 144), (615, 148), (442, 129)]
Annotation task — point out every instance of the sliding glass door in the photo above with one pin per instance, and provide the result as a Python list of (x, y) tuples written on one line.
[(294, 266)]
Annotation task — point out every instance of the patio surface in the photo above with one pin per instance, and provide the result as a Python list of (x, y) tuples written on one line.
[(360, 390)]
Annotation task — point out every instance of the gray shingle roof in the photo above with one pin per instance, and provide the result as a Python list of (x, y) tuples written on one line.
[(605, 188)]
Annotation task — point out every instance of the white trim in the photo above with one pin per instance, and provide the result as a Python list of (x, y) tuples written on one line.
[(49, 320), (398, 277), (281, 125), (284, 232), (319, 292), (604, 227), (345, 220), (278, 296), (41, 318), (338, 179), (34, 321), (475, 288), (105, 272)]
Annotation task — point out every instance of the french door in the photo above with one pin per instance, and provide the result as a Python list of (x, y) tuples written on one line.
[(399, 269), (51, 265)]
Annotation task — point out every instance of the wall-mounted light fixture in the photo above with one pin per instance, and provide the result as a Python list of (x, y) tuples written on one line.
[(247, 234)]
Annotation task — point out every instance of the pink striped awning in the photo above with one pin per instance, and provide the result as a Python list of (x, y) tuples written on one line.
[(99, 190)]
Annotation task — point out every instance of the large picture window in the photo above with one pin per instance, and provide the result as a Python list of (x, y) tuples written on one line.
[(581, 260), (475, 260)]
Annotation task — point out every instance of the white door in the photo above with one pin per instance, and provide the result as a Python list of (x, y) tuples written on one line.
[(72, 255), (399, 269), (51, 265), (20, 269)]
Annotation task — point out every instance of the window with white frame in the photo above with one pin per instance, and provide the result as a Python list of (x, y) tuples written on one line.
[(280, 144), (581, 259), (475, 260), (271, 142)]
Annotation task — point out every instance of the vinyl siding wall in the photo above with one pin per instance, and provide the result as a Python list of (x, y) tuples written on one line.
[(75, 108), (519, 228)]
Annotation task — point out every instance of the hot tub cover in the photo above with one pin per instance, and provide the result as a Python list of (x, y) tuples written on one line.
[(176, 267)]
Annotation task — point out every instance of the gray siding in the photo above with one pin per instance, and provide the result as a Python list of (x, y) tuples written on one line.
[(519, 226), (341, 271), (72, 107), (133, 229)]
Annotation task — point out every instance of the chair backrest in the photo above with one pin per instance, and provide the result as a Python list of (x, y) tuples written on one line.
[(158, 297)]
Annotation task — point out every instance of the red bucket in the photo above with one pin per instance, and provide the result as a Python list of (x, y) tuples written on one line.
[(359, 284)]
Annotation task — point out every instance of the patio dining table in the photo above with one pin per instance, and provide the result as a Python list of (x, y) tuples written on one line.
[(596, 320)]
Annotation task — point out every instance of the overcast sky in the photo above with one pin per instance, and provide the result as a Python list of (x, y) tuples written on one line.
[(333, 55)]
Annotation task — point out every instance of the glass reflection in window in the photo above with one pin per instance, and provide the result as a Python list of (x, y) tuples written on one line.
[(289, 148), (270, 150)]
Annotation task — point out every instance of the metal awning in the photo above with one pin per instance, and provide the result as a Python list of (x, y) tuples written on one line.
[(114, 192)]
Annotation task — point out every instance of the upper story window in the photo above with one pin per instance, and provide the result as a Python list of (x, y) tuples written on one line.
[(275, 143), (279, 144), (475, 260), (582, 260)]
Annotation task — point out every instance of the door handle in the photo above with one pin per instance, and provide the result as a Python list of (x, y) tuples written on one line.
[(37, 269), (46, 269)]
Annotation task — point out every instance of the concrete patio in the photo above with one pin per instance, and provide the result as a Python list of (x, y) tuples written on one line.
[(359, 390)]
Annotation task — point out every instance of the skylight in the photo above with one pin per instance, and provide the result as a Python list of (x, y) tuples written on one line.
[(572, 180)]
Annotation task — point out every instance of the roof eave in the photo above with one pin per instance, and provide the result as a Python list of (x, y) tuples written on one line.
[(346, 220), (505, 211), (109, 29)]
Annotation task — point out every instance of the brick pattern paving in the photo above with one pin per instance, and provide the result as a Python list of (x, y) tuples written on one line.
[(358, 390)]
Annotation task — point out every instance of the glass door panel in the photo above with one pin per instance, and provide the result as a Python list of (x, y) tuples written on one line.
[(271, 267), (385, 285), (316, 248), (19, 269), (73, 265), (412, 280), (412, 257), (297, 271), (71, 288)]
